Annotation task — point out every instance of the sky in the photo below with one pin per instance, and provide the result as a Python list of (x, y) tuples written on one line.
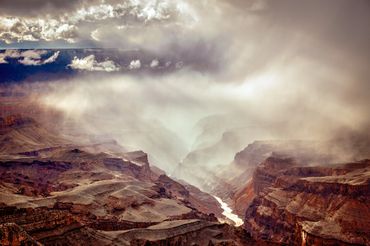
[(288, 69), (228, 35)]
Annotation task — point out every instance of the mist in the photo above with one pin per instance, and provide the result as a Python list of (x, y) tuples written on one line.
[(258, 75), (163, 115)]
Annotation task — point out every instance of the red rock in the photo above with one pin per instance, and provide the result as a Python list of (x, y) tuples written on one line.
[(322, 205)]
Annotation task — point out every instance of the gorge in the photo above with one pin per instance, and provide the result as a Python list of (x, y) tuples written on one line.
[(185, 123)]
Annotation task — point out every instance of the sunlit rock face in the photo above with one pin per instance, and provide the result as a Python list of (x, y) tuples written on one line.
[(310, 204)]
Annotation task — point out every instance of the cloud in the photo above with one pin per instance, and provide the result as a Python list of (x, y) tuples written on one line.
[(95, 35), (8, 54), (190, 31), (90, 64), (74, 24), (28, 57), (52, 58), (32, 57), (276, 103), (15, 29), (134, 64), (226, 36), (154, 63), (38, 7)]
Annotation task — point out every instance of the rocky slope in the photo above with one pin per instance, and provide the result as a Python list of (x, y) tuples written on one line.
[(310, 205), (53, 192), (12, 234), (234, 183), (47, 226), (184, 232)]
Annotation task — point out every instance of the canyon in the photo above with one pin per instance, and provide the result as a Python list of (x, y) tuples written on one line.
[(60, 189), (184, 123), (54, 191)]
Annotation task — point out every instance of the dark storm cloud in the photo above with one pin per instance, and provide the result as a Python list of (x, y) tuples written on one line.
[(38, 7), (340, 23), (78, 22), (321, 29)]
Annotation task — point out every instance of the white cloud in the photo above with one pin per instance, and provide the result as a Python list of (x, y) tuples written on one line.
[(68, 26), (90, 64), (32, 57), (2, 59), (52, 58), (154, 63), (15, 29), (134, 64), (8, 54), (95, 35), (28, 57)]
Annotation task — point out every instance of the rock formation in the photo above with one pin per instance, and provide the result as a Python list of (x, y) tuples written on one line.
[(12, 234), (310, 205), (56, 192)]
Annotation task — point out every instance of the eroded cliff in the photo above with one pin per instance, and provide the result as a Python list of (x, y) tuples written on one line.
[(306, 205)]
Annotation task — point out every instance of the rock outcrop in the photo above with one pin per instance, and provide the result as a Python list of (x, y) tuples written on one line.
[(237, 183), (184, 232), (310, 205), (45, 226), (12, 234)]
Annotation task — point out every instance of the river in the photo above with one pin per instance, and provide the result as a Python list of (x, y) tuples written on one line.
[(228, 212)]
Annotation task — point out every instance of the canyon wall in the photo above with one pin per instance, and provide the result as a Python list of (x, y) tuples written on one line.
[(310, 205)]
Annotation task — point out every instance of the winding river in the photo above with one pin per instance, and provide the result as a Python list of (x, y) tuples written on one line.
[(228, 212)]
